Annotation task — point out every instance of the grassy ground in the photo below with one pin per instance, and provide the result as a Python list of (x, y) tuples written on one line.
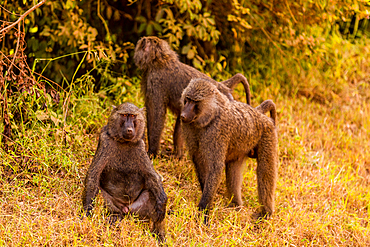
[(322, 195)]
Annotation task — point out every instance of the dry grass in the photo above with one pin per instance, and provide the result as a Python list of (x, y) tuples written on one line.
[(322, 196)]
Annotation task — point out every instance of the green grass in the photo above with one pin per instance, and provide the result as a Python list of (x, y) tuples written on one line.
[(322, 195)]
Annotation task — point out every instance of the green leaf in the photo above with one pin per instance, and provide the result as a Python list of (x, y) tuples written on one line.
[(141, 19), (185, 49), (211, 21), (219, 67), (197, 64), (141, 28), (149, 29), (157, 27)]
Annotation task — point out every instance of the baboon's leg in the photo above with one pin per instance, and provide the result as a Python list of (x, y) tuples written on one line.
[(159, 229), (156, 115), (267, 163), (112, 205), (111, 202), (200, 169), (234, 181), (212, 182), (144, 205), (178, 140)]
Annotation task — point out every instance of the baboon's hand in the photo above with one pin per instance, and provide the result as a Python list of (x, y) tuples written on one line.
[(161, 206), (88, 211)]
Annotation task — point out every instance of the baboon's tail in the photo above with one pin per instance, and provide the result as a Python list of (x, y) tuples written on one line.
[(233, 81), (268, 106)]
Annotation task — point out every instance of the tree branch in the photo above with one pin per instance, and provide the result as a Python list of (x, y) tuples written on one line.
[(4, 30), (16, 49)]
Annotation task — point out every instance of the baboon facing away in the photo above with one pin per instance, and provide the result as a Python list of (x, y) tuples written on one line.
[(163, 80), (219, 135), (123, 172), (264, 107)]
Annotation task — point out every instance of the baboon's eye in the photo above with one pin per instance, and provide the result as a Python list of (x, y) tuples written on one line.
[(124, 115)]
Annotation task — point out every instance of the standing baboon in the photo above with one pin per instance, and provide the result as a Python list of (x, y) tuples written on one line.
[(264, 107), (163, 80), (219, 134), (123, 172)]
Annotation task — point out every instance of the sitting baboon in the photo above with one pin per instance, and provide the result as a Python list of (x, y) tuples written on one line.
[(123, 172), (219, 134), (163, 80)]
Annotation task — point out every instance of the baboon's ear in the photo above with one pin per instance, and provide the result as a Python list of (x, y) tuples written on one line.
[(114, 107), (143, 111)]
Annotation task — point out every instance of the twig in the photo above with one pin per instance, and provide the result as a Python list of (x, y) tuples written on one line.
[(49, 80), (16, 49), (8, 11), (4, 30), (65, 114), (20, 70), (6, 57), (287, 4), (105, 25)]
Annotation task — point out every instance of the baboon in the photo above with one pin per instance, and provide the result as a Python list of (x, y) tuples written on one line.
[(264, 107), (219, 134), (123, 172), (163, 80)]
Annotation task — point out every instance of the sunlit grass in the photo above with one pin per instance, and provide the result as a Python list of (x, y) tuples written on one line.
[(322, 195)]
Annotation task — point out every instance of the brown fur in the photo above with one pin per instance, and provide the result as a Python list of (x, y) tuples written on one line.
[(264, 107), (219, 134), (164, 78), (268, 106), (123, 172)]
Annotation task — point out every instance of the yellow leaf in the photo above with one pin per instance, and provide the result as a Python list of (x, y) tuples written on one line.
[(34, 29), (191, 54)]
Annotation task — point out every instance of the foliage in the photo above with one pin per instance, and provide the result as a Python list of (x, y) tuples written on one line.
[(310, 57), (214, 33)]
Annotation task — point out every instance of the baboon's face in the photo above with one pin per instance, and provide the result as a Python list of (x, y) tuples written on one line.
[(127, 124), (147, 44), (190, 110)]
